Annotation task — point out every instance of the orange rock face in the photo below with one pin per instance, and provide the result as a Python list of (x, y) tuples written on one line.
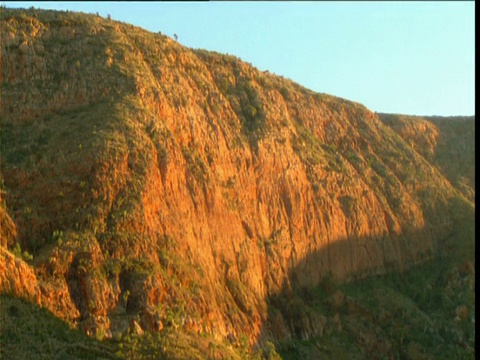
[(17, 278), (189, 186)]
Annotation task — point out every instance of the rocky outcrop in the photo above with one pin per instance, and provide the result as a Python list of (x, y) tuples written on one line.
[(17, 278), (180, 188)]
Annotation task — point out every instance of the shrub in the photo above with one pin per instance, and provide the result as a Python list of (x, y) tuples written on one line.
[(17, 251)]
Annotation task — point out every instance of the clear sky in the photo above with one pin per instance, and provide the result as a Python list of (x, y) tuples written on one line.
[(399, 57)]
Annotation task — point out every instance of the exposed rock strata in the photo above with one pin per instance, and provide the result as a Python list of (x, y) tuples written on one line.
[(187, 185)]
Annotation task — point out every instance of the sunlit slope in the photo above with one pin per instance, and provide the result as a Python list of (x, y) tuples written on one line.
[(446, 142), (184, 188)]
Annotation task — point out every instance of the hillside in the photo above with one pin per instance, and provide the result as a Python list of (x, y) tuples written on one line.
[(151, 187), (447, 143)]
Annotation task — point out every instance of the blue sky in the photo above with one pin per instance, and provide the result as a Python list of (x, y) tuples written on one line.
[(399, 57)]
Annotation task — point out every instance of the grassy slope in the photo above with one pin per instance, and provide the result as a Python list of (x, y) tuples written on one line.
[(28, 332)]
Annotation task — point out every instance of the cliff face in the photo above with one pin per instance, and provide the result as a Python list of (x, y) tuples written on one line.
[(182, 187), (446, 142)]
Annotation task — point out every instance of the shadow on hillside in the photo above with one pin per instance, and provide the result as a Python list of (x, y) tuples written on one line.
[(310, 309), (342, 261), (31, 332)]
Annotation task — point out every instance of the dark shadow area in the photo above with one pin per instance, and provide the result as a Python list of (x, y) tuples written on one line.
[(30, 332), (419, 305)]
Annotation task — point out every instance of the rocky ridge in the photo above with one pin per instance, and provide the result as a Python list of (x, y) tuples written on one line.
[(183, 188)]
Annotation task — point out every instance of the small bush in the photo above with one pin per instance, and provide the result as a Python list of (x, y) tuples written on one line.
[(25, 255)]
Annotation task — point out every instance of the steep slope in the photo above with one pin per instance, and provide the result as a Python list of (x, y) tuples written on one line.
[(446, 142), (28, 332), (181, 188)]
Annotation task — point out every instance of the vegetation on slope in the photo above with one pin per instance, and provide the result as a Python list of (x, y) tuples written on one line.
[(28, 332), (195, 197), (447, 142), (425, 313)]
